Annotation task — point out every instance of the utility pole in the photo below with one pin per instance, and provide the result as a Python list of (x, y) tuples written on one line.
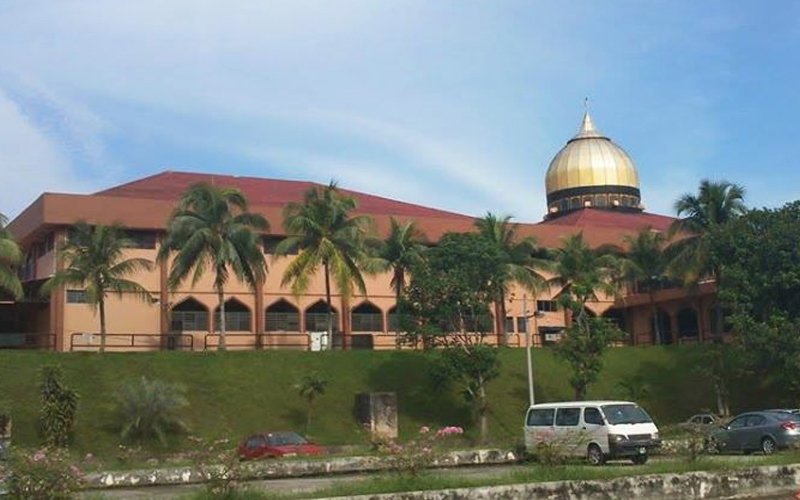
[(528, 348)]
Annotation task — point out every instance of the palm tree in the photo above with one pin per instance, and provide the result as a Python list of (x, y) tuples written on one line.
[(715, 204), (582, 273), (399, 252), (325, 234), (519, 264), (10, 257), (310, 387), (94, 259), (644, 264), (212, 228)]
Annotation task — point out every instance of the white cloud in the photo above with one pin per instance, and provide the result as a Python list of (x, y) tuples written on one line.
[(30, 161)]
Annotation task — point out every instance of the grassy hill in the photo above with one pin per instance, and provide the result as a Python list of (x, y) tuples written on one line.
[(236, 393)]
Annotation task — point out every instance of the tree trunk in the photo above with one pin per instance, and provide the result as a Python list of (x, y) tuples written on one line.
[(500, 312), (483, 420), (656, 322), (330, 307), (308, 415), (102, 305), (221, 297)]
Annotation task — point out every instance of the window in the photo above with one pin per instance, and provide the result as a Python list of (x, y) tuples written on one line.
[(509, 325), (546, 305), (271, 243), (237, 317), (626, 414), (394, 319), (190, 320), (755, 421), (593, 416), (367, 318), (568, 417), (282, 317), (49, 242), (141, 239), (522, 324), (189, 315), (541, 417), (738, 423), (317, 318), (550, 334), (76, 296)]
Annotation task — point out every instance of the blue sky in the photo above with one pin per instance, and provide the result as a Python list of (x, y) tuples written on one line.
[(453, 104)]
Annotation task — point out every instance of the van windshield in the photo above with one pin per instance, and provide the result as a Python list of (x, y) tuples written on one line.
[(626, 414)]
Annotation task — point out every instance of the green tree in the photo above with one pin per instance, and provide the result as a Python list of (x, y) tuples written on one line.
[(582, 274), (326, 234), (470, 367), (402, 249), (450, 291), (211, 228), (446, 304), (10, 257), (310, 387), (701, 215), (644, 265), (59, 408), (150, 409), (519, 264), (760, 286), (94, 259)]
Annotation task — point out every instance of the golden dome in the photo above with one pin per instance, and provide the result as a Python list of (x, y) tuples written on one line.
[(591, 171)]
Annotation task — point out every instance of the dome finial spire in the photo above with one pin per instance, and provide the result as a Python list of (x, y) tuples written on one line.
[(587, 125)]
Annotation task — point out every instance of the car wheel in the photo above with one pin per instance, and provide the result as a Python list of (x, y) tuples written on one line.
[(594, 455), (640, 459), (768, 446)]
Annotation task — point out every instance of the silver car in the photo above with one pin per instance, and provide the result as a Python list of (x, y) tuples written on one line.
[(764, 431)]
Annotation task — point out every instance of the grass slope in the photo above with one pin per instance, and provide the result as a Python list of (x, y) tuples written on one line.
[(236, 393)]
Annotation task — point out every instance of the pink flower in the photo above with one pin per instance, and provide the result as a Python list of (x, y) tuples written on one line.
[(39, 456), (446, 431), (424, 429)]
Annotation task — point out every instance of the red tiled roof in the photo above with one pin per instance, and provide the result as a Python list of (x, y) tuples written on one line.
[(594, 218), (263, 192)]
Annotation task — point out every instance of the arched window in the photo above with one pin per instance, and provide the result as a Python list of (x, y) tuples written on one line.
[(237, 317), (716, 310), (367, 318), (317, 317), (189, 315), (687, 322), (282, 317)]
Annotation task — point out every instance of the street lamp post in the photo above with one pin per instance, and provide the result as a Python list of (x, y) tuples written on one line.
[(528, 348)]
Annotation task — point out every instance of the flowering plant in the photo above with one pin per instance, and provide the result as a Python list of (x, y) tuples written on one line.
[(419, 453), (44, 474)]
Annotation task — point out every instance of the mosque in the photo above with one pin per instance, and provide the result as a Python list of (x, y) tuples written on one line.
[(592, 187)]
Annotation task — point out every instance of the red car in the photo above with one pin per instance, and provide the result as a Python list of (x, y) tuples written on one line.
[(278, 444)]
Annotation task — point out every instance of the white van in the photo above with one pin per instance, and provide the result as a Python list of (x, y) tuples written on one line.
[(597, 430)]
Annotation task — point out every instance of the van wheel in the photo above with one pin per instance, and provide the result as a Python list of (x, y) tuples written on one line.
[(640, 459), (595, 456), (767, 446)]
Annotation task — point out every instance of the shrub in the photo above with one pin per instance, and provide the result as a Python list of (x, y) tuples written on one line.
[(44, 474), (59, 408), (149, 409), (219, 466), (418, 454)]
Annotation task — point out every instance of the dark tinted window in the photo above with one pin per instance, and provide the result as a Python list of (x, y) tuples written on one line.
[(76, 296), (626, 414), (541, 417), (755, 420), (592, 416), (568, 416), (738, 423)]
